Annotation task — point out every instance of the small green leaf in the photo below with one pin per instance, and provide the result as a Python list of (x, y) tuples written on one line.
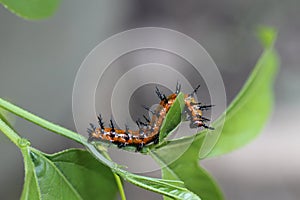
[(31, 9), (71, 174), (249, 111), (173, 117)]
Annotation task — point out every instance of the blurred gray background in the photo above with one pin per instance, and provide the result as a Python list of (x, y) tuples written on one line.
[(39, 61)]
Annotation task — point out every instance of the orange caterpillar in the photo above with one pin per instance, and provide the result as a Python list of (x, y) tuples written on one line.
[(149, 132)]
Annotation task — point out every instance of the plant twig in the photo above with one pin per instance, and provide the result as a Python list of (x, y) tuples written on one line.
[(13, 136), (41, 122), (117, 178)]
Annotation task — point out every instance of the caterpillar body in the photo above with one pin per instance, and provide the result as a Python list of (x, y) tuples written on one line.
[(148, 131)]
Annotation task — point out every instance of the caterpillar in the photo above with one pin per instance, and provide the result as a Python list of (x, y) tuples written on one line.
[(148, 132)]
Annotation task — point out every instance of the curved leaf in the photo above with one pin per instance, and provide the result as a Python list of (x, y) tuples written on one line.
[(249, 111), (186, 167), (31, 9)]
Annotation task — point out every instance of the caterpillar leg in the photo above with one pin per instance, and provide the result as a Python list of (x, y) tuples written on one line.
[(156, 140), (121, 145), (139, 147)]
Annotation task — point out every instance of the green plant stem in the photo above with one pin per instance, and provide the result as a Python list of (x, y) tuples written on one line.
[(117, 178), (41, 122), (14, 137)]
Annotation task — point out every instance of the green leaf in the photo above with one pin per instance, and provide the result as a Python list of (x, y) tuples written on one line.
[(85, 173), (71, 174), (179, 161), (250, 110), (173, 117), (186, 167), (31, 9)]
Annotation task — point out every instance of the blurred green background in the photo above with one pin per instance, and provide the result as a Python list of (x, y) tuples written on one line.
[(39, 61)]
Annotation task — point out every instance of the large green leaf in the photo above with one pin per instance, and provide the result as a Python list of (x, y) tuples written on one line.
[(71, 174), (185, 168), (31, 9), (249, 111)]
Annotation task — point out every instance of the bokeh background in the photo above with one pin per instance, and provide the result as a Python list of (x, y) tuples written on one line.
[(39, 61)]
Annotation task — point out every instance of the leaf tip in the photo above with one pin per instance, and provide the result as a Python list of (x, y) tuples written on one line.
[(267, 35)]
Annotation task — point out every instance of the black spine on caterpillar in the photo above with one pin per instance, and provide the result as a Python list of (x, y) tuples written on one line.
[(178, 88), (112, 131), (161, 96), (100, 121)]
